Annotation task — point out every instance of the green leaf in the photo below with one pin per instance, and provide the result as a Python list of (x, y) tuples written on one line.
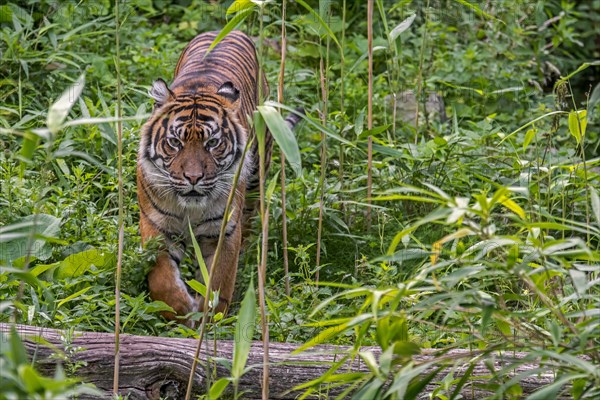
[(30, 378), (551, 391), (200, 259), (323, 24), (231, 25), (594, 98), (401, 27), (283, 136), (529, 135), (240, 5), (244, 332), (595, 203), (577, 124), (582, 67), (17, 353), (60, 109), (73, 296), (420, 383), (30, 143), (217, 388), (374, 131), (406, 349), (29, 237), (310, 122), (197, 286), (477, 10), (465, 377), (76, 264), (322, 337)]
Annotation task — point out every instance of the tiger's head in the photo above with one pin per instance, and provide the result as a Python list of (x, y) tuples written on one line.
[(193, 142)]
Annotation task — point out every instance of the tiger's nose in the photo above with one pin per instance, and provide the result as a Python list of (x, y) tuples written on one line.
[(193, 177)]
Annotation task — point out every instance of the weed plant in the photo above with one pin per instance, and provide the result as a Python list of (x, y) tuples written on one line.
[(485, 230)]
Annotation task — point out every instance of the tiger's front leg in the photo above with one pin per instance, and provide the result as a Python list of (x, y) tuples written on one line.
[(165, 284), (164, 280)]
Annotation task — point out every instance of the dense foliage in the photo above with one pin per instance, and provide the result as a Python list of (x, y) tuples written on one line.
[(485, 228)]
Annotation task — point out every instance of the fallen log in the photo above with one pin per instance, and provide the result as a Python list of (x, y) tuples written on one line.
[(157, 367)]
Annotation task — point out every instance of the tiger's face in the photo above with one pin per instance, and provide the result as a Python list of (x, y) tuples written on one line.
[(193, 142)]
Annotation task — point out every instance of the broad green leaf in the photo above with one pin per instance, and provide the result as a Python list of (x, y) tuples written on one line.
[(577, 124), (283, 136), (231, 25), (260, 131), (406, 349), (76, 264), (512, 206), (197, 286), (240, 5), (217, 388), (529, 135), (404, 25), (312, 123), (30, 378), (29, 237), (60, 109), (17, 352), (244, 332), (73, 296), (28, 146)]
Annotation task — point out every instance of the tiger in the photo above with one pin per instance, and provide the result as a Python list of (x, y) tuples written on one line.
[(190, 149)]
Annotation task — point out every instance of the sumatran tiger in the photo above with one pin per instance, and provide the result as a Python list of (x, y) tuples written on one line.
[(189, 152)]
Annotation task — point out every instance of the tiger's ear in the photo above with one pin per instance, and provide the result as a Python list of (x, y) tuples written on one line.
[(229, 91), (160, 92)]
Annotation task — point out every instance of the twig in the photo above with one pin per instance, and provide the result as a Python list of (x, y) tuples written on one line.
[(282, 156), (370, 111), (121, 211)]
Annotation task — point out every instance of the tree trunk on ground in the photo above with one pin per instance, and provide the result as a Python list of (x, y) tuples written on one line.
[(157, 367)]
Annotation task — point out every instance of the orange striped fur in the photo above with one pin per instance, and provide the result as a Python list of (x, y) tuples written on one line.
[(189, 151)]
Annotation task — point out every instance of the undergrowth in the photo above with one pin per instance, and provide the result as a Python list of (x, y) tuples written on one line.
[(486, 215)]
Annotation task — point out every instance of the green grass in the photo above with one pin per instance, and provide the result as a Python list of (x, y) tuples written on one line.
[(480, 239)]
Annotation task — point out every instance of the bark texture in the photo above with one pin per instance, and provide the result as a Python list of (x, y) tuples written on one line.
[(157, 367)]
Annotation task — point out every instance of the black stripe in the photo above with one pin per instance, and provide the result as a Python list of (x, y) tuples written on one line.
[(166, 234), (174, 258), (146, 191)]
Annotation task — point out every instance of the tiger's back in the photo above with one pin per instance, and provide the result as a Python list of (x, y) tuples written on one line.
[(190, 149)]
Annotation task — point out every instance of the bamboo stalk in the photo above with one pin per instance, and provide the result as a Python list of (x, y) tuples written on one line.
[(323, 79), (120, 205), (420, 74), (282, 156), (264, 217), (370, 110), (342, 62)]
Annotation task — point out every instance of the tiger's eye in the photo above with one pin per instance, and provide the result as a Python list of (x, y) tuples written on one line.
[(174, 142), (212, 142)]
